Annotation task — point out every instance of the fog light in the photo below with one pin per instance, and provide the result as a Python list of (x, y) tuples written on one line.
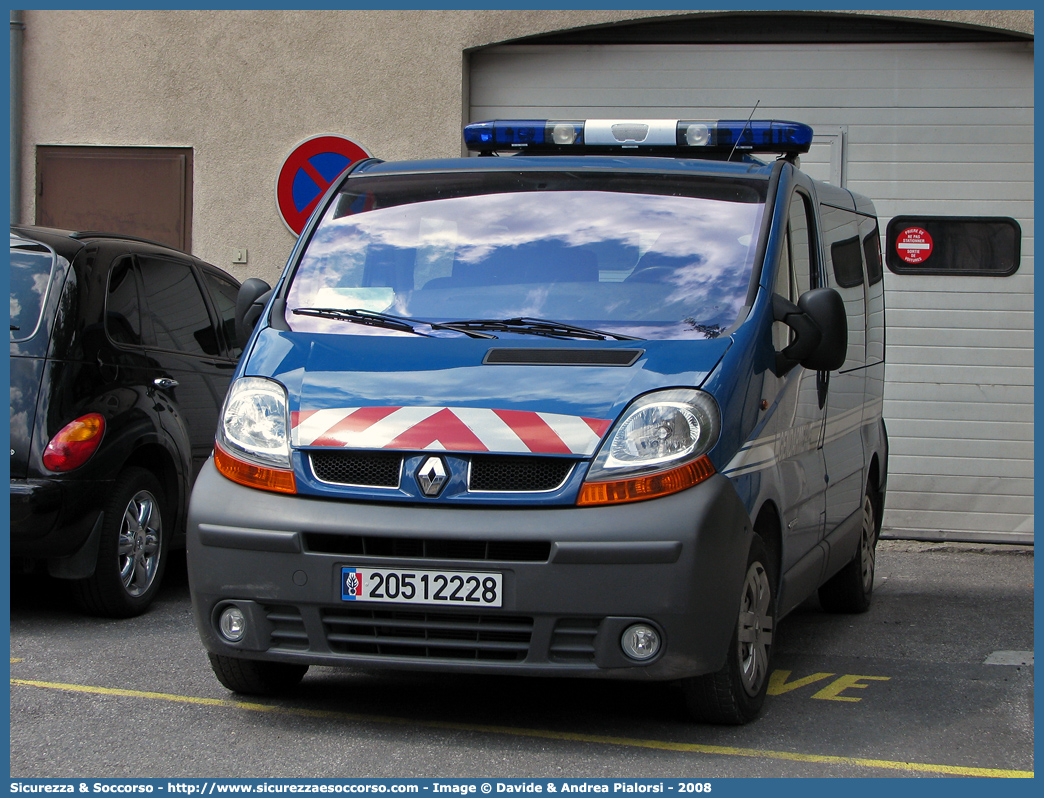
[(640, 642), (232, 624)]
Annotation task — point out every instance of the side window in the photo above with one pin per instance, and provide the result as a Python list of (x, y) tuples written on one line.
[(872, 252), (847, 260), (784, 286), (179, 316), (954, 245), (123, 304), (841, 238), (802, 241), (794, 275), (31, 270), (224, 292), (785, 272), (875, 309)]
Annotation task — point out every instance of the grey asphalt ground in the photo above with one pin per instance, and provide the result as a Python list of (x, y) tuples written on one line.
[(905, 690)]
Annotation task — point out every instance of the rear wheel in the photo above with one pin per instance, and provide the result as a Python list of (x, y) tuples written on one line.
[(132, 549), (851, 589), (255, 677), (736, 693)]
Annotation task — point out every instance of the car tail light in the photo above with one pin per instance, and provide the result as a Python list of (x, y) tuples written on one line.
[(74, 444)]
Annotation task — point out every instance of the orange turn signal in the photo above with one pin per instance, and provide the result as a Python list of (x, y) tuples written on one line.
[(74, 444), (253, 476), (650, 486)]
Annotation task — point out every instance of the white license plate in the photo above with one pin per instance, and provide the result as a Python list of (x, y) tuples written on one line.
[(451, 588)]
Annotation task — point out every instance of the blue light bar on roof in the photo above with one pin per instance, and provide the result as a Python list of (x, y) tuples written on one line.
[(680, 136)]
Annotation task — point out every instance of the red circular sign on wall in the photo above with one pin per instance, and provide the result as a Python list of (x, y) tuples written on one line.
[(914, 245), (308, 171)]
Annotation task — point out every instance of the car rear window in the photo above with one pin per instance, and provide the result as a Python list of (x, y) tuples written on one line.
[(32, 266)]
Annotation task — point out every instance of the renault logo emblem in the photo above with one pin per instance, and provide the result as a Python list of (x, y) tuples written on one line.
[(432, 476)]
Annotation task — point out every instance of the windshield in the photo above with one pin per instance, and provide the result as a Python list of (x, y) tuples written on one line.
[(643, 255), (31, 265)]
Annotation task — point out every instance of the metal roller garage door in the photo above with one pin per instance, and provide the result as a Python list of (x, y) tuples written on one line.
[(925, 129)]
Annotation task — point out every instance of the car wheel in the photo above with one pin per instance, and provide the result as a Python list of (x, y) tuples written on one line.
[(255, 677), (132, 549), (736, 693), (851, 588)]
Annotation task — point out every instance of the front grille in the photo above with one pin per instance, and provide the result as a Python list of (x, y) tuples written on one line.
[(427, 548), (398, 634), (492, 473), (350, 467), (287, 629), (488, 473), (573, 640)]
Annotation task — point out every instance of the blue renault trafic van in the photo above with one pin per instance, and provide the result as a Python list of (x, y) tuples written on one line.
[(608, 407)]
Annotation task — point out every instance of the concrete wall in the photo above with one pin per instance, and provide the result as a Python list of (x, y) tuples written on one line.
[(243, 87)]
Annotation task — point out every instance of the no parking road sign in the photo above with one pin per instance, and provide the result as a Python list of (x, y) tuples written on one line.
[(308, 171), (914, 245)]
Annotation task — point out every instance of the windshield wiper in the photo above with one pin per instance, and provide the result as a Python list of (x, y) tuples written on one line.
[(384, 320), (366, 317), (475, 328), (525, 325)]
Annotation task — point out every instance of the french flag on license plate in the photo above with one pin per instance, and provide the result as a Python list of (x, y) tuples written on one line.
[(351, 584)]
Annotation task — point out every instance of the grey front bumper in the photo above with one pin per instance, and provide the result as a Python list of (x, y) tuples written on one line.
[(677, 562)]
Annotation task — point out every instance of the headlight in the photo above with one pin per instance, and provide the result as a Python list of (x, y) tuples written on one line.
[(658, 447), (254, 422), (659, 430), (655, 434), (253, 437)]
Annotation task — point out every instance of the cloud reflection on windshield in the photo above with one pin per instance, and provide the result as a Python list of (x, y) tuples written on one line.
[(693, 256)]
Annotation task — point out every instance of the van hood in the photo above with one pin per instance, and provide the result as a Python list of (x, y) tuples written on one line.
[(506, 396)]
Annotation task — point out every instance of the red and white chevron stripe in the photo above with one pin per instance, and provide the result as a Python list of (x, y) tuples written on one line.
[(458, 429)]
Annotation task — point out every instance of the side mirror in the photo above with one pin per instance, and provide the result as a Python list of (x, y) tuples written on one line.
[(821, 330), (251, 300)]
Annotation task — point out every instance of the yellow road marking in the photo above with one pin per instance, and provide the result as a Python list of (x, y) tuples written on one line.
[(16, 659), (778, 684), (660, 745), (832, 692)]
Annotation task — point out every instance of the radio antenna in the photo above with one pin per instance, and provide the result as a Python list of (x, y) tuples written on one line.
[(743, 129)]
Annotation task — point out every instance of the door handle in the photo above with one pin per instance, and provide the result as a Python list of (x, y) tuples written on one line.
[(165, 382)]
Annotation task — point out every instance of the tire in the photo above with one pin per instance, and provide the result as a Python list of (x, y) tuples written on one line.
[(735, 694), (132, 549), (254, 677), (851, 589)]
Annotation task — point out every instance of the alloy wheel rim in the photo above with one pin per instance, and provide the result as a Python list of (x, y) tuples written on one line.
[(755, 628), (139, 543)]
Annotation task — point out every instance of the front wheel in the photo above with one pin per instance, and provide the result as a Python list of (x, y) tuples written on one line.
[(132, 549), (735, 694), (851, 589), (256, 677)]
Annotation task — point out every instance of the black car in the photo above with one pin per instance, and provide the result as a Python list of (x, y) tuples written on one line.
[(121, 353)]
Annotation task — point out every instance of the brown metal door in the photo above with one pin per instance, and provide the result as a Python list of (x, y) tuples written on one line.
[(140, 191)]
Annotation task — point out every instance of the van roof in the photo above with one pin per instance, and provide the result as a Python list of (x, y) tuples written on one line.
[(749, 167)]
